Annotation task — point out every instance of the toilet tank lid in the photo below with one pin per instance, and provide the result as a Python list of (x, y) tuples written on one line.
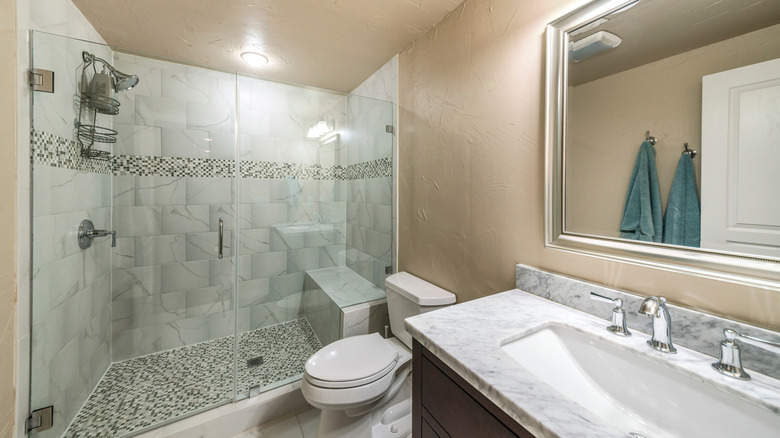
[(419, 290)]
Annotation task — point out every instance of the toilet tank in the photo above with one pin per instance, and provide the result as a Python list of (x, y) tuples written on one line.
[(407, 296)]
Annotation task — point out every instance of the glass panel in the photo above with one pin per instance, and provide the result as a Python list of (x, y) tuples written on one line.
[(369, 165), (141, 333), (292, 223), (144, 333), (315, 205)]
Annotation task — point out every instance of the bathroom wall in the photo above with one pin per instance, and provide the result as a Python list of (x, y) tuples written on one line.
[(472, 166), (175, 177), (369, 194), (8, 117), (71, 313), (670, 94)]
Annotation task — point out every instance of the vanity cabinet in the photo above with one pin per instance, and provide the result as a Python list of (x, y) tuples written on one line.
[(445, 405)]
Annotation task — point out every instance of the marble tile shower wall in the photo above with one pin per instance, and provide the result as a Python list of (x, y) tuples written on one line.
[(71, 287), (369, 197), (169, 289)]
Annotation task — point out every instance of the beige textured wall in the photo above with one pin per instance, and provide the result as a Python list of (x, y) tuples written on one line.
[(471, 161), (7, 213), (663, 97)]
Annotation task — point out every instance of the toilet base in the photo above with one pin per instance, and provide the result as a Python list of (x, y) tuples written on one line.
[(391, 420)]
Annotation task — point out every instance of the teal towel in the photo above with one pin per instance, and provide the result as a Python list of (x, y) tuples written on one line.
[(682, 221), (642, 214)]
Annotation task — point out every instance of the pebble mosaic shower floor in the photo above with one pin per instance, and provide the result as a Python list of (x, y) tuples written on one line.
[(137, 393)]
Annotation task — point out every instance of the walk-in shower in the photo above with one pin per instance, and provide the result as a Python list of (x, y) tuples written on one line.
[(232, 227)]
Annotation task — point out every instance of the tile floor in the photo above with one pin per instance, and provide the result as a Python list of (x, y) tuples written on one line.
[(302, 425), (137, 393)]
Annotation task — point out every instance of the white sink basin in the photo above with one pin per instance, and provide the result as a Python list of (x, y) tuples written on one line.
[(635, 393)]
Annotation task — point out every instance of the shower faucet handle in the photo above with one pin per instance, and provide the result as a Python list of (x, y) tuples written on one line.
[(104, 233), (618, 325), (87, 234)]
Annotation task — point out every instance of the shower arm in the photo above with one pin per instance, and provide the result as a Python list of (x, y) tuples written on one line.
[(90, 59)]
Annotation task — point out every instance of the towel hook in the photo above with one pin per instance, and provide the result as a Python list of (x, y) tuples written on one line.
[(690, 152), (649, 139)]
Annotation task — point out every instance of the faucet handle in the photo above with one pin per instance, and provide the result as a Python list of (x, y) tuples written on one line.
[(618, 325), (730, 361)]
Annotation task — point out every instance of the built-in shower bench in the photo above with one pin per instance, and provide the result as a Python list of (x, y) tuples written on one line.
[(338, 302)]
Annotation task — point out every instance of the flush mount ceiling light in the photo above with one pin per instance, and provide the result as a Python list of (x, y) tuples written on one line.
[(254, 59)]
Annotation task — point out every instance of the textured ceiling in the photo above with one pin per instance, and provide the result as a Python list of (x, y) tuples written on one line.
[(331, 44), (658, 29)]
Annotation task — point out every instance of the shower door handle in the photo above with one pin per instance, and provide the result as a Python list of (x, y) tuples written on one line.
[(221, 232)]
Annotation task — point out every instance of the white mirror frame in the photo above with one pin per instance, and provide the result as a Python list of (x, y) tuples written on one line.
[(745, 270)]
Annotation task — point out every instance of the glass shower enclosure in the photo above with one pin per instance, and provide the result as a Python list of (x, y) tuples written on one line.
[(223, 192)]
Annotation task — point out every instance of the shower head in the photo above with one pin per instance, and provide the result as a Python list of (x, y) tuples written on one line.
[(122, 81)]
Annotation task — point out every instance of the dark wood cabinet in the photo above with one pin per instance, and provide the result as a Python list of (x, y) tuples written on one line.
[(445, 405)]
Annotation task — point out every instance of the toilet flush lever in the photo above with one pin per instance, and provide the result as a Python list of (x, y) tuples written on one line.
[(618, 326), (87, 234)]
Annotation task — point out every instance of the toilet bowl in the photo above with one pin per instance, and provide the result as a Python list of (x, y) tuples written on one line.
[(362, 384)]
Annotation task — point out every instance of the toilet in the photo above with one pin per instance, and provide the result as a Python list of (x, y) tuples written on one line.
[(362, 383)]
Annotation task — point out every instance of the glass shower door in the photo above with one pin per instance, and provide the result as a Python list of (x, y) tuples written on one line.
[(289, 225), (129, 337)]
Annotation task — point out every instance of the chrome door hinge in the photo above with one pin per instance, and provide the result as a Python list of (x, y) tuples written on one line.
[(41, 80), (389, 129), (40, 420)]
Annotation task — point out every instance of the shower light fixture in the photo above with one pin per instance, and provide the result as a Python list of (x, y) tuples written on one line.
[(319, 129), (254, 59)]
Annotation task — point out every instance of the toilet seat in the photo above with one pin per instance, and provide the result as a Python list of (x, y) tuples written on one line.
[(351, 362), (370, 353)]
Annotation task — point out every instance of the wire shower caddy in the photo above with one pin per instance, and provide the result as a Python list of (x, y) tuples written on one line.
[(91, 103)]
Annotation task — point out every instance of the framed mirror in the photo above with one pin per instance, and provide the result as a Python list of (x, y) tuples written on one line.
[(663, 136)]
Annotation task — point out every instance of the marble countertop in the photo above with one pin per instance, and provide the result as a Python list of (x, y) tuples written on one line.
[(468, 338)]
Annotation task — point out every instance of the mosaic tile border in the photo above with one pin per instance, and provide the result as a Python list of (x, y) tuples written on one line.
[(56, 151), (382, 167), (173, 166), (138, 393), (52, 150)]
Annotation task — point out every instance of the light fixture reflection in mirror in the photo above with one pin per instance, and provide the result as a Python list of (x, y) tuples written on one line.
[(653, 81)]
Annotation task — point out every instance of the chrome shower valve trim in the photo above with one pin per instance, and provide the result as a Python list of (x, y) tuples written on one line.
[(87, 234)]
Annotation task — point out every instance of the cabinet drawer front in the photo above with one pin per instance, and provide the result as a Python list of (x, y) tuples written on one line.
[(454, 409)]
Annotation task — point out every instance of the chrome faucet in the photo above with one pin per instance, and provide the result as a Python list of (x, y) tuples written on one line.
[(618, 326), (730, 361), (661, 340)]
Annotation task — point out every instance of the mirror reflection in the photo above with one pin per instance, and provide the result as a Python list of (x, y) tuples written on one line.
[(650, 84)]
